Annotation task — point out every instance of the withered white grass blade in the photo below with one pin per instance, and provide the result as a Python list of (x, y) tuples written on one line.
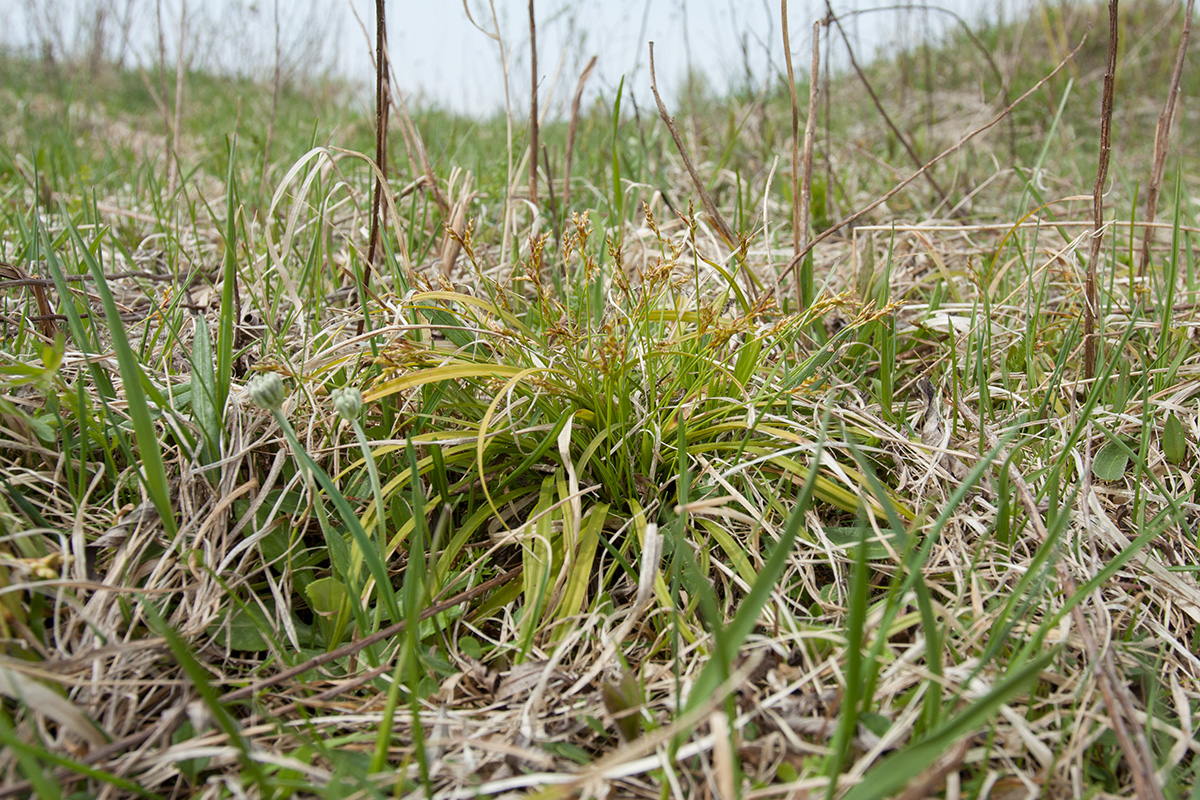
[(46, 701)]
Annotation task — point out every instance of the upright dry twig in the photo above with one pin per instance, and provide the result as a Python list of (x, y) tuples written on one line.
[(382, 95), (162, 89), (1106, 107), (804, 285), (965, 28), (947, 152), (806, 163), (791, 76), (801, 168), (908, 148), (583, 76), (1162, 133), (414, 147), (709, 206), (797, 229), (827, 78), (179, 73), (533, 108), (1121, 711)]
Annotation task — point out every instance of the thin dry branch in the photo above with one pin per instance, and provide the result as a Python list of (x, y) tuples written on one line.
[(176, 131), (1106, 108), (380, 635), (797, 231), (382, 95), (709, 206), (15, 276), (804, 287), (575, 103), (944, 154), (1162, 134), (912, 153), (533, 108), (965, 28), (160, 98)]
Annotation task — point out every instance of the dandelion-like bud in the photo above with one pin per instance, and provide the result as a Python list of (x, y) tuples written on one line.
[(348, 402), (266, 390)]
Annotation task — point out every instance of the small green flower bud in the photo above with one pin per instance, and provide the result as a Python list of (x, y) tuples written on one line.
[(266, 390), (348, 402)]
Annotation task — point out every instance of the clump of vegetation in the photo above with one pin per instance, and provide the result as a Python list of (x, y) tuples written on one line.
[(583, 495)]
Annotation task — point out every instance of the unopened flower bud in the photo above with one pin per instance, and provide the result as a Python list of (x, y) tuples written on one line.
[(348, 402), (266, 390)]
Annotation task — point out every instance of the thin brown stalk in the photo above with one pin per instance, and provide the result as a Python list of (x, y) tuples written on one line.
[(806, 162), (533, 108), (1121, 707), (414, 151), (414, 143), (15, 276), (827, 77), (179, 73), (382, 94), (1162, 134), (965, 28), (161, 100), (797, 217), (583, 76), (944, 154), (1106, 109), (912, 153), (709, 206)]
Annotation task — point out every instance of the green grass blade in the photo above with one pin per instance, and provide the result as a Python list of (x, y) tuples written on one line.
[(149, 450)]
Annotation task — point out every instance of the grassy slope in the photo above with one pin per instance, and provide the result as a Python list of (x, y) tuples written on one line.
[(631, 500)]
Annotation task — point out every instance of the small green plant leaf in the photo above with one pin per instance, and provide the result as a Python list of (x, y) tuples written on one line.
[(204, 395), (624, 700), (244, 631), (1111, 461), (327, 596), (1174, 440), (877, 550)]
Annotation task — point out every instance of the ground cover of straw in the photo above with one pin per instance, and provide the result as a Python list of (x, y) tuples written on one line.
[(612, 512)]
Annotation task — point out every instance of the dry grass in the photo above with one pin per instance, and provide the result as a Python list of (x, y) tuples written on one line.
[(587, 447)]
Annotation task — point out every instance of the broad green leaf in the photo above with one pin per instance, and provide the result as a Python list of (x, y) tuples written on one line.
[(204, 391), (327, 596), (1174, 440), (1111, 461), (244, 631)]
